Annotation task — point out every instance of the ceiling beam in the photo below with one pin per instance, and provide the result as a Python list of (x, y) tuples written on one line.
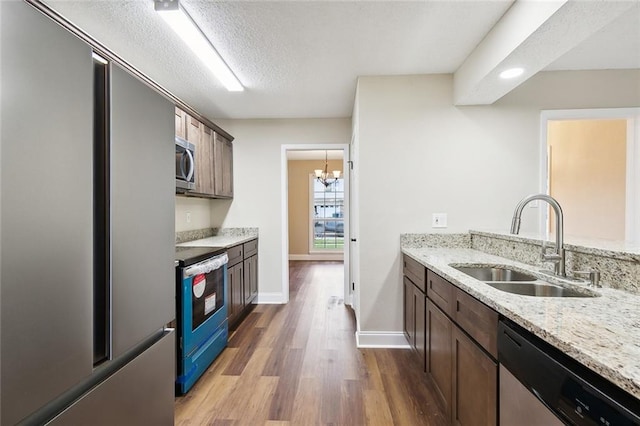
[(530, 35)]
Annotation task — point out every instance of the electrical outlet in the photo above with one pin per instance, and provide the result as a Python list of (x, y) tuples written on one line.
[(188, 217), (439, 220)]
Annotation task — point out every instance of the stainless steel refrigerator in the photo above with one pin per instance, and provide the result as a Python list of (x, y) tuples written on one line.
[(86, 234)]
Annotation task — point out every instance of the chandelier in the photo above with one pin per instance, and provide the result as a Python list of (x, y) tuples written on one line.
[(323, 175)]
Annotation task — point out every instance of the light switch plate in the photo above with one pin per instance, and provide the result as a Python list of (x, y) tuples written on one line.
[(439, 220)]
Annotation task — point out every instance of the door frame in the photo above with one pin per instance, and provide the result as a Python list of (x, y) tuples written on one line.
[(284, 191), (632, 115)]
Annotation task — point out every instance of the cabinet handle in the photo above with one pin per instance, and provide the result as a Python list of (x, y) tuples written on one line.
[(513, 339)]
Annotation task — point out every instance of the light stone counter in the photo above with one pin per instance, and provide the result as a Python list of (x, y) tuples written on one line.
[(226, 237), (219, 241), (603, 333)]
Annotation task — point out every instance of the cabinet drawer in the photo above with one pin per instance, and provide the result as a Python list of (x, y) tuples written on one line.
[(415, 271), (478, 320), (250, 248), (441, 292), (235, 254)]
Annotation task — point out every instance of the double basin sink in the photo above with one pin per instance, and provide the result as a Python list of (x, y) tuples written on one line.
[(517, 282)]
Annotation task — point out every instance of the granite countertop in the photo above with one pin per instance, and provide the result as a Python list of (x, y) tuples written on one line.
[(603, 332), (624, 250), (219, 241)]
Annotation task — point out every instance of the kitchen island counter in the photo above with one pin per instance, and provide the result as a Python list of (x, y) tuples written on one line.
[(602, 333)]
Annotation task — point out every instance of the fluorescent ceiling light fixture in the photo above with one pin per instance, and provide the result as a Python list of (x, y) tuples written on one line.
[(511, 73), (99, 58), (180, 21)]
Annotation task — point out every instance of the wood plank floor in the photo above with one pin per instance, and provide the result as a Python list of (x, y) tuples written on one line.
[(297, 364)]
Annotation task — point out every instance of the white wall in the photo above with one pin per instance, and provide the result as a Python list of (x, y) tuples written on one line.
[(200, 212), (474, 163), (257, 181)]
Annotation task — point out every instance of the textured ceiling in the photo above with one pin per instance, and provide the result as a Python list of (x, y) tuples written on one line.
[(302, 58), (616, 46)]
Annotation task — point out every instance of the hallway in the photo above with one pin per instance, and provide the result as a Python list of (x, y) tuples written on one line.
[(297, 364)]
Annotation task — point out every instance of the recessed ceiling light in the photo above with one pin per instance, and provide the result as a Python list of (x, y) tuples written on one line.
[(511, 73)]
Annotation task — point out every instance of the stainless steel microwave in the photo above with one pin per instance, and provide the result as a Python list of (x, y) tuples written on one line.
[(185, 165)]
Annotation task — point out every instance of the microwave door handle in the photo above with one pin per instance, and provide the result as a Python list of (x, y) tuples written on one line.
[(183, 165), (191, 165)]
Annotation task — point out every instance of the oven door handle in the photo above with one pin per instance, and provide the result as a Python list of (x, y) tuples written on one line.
[(207, 266)]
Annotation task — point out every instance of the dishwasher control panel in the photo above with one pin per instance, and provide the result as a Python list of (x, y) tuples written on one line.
[(582, 405), (572, 392)]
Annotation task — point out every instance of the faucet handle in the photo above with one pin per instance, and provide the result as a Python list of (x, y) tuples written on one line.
[(594, 277), (548, 257)]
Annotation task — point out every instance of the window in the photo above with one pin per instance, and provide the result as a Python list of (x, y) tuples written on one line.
[(326, 216)]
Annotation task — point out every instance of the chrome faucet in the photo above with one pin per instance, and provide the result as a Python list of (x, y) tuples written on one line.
[(558, 258)]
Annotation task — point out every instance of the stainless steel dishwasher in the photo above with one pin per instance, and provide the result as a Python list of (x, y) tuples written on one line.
[(539, 385)]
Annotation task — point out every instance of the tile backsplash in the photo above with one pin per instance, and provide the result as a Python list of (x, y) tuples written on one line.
[(618, 269), (198, 234)]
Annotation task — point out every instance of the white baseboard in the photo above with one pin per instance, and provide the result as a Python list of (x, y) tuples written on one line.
[(381, 339), (317, 256), (270, 299)]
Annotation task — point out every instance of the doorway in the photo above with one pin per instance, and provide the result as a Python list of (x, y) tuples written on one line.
[(590, 162), (330, 228)]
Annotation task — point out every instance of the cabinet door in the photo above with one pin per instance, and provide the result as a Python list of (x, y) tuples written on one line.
[(409, 312), (250, 279), (246, 282), (475, 383), (236, 300), (254, 279), (420, 307), (439, 355), (196, 134), (223, 168), (181, 123), (227, 170), (206, 163)]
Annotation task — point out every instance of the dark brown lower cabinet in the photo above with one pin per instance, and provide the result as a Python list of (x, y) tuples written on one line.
[(439, 356), (475, 384), (420, 302), (455, 334), (414, 318), (235, 287), (250, 279), (242, 280), (409, 311)]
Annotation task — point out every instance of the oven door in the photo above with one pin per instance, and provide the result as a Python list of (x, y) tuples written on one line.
[(202, 303), (185, 165)]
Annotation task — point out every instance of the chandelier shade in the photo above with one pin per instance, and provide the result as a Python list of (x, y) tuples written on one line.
[(323, 176)]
